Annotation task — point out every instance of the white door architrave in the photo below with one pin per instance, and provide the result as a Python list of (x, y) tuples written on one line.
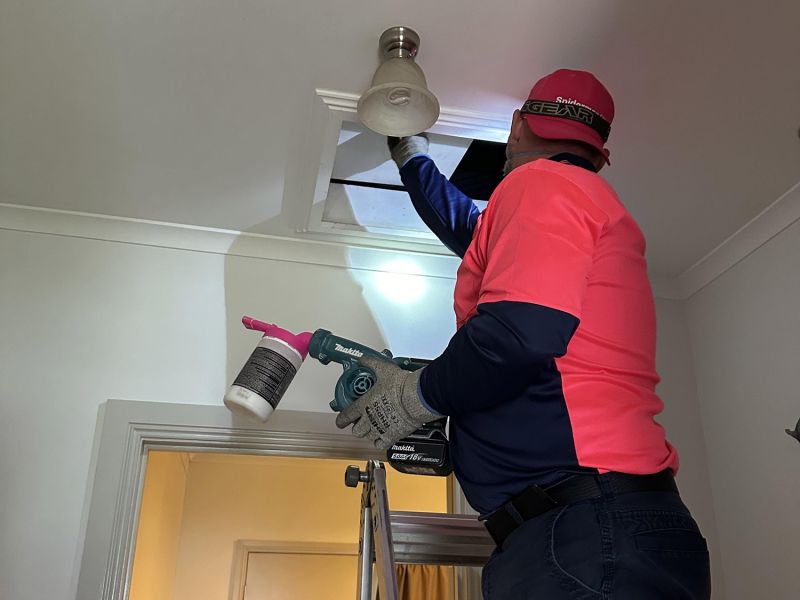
[(128, 430)]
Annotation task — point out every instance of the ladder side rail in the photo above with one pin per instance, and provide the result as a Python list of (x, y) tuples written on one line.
[(382, 533)]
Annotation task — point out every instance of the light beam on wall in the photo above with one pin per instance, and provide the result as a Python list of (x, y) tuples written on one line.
[(400, 281)]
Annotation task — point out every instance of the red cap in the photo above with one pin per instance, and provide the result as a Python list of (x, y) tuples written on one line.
[(570, 105)]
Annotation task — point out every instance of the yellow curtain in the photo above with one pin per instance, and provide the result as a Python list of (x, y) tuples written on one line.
[(424, 582)]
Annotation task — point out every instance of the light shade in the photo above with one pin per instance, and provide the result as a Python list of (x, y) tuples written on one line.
[(398, 103)]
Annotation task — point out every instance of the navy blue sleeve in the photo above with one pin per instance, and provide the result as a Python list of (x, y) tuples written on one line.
[(495, 356), (446, 210)]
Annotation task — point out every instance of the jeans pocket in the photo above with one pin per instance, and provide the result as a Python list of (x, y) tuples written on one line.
[(663, 549), (672, 542), (665, 532), (576, 552)]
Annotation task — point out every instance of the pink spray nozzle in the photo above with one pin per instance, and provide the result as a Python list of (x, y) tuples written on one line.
[(252, 323), (299, 342)]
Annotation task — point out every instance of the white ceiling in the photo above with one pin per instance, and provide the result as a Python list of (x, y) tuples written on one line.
[(195, 111)]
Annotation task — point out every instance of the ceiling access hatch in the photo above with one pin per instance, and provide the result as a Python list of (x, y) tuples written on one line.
[(366, 197)]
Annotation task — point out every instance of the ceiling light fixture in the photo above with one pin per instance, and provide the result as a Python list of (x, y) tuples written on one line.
[(398, 103)]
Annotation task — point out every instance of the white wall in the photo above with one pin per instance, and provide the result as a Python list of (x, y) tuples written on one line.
[(86, 320), (745, 331), (681, 418), (83, 321)]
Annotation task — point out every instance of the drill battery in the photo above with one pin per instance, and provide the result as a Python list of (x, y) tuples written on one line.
[(424, 452)]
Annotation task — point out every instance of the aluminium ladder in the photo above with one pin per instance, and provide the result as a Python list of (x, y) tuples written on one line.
[(408, 537)]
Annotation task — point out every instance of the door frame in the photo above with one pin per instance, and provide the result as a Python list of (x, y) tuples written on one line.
[(127, 430)]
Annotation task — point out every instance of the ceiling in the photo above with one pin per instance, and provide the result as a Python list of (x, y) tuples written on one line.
[(195, 111)]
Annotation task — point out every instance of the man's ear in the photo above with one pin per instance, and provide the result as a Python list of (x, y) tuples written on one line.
[(517, 123), (599, 160)]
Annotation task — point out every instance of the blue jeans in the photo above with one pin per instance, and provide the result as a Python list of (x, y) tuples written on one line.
[(636, 546)]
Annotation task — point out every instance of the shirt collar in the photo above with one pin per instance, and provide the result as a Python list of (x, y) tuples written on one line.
[(574, 159)]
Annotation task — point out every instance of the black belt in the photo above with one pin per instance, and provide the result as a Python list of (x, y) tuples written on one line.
[(535, 500)]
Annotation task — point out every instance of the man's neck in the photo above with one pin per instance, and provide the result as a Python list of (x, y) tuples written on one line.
[(574, 159), (518, 159)]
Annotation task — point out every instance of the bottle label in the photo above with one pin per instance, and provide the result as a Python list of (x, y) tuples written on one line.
[(268, 374)]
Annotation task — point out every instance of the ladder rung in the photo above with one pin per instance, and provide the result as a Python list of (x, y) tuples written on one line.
[(440, 539)]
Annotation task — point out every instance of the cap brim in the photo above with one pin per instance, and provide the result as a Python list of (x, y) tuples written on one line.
[(555, 128)]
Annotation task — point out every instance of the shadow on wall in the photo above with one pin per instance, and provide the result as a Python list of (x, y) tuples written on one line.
[(298, 297)]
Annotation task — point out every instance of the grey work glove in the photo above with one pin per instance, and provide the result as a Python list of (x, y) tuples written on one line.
[(391, 409), (404, 148)]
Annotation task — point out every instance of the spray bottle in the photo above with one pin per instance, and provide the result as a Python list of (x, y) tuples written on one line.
[(266, 375)]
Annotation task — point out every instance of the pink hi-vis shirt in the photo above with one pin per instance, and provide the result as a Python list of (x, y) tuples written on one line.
[(557, 236)]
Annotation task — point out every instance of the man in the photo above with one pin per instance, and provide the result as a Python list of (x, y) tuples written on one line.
[(549, 382)]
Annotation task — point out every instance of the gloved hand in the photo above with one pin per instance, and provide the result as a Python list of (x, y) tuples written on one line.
[(402, 149), (391, 409)]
